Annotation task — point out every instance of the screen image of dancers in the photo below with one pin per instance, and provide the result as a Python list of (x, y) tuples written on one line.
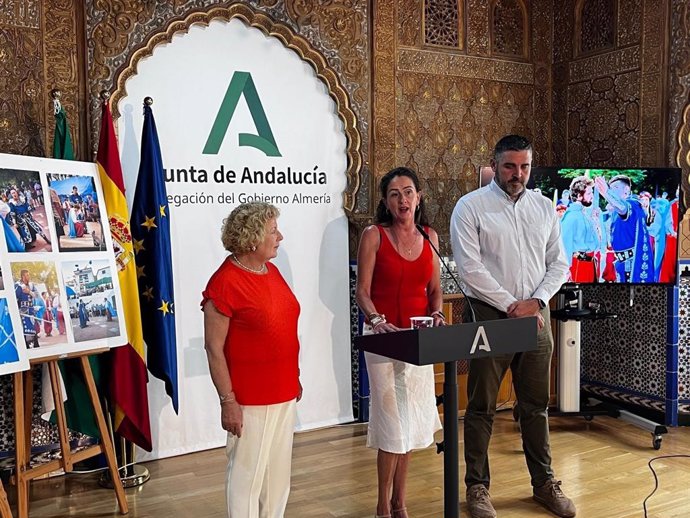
[(581, 231), (630, 239), (617, 225)]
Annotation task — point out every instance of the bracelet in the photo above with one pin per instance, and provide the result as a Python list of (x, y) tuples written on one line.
[(228, 398), (375, 319), (438, 313)]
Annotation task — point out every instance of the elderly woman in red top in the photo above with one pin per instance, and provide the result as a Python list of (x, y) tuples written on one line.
[(250, 328)]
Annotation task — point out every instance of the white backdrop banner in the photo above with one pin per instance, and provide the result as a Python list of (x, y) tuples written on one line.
[(242, 118)]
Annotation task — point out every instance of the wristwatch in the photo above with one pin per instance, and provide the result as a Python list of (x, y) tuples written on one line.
[(541, 303)]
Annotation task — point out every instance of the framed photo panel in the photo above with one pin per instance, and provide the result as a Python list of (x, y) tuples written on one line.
[(59, 286)]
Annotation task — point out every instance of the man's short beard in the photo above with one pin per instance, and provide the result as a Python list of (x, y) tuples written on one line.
[(586, 203), (507, 185)]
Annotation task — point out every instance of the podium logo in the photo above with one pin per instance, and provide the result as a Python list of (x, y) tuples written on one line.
[(242, 84), (481, 342)]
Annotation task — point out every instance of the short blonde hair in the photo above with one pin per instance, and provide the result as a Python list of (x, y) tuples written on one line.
[(245, 227)]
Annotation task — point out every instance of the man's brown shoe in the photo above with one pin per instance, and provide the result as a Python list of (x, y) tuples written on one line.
[(479, 502), (550, 496)]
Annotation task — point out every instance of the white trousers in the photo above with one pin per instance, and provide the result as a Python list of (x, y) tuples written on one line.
[(258, 474)]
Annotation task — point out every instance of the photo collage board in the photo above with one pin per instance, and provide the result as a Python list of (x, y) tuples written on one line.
[(59, 287)]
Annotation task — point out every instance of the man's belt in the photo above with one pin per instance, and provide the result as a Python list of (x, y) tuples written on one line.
[(624, 255), (584, 256)]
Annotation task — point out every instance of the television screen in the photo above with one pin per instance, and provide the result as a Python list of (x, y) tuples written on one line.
[(617, 225)]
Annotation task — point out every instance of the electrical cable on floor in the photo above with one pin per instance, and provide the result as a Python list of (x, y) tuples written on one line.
[(656, 479), (96, 470)]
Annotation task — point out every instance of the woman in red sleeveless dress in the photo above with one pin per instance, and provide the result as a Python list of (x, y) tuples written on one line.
[(398, 278)]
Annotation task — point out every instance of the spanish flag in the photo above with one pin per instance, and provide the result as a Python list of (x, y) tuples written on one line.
[(128, 376)]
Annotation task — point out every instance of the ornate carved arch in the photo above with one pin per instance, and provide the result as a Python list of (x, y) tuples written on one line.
[(292, 41), (683, 161)]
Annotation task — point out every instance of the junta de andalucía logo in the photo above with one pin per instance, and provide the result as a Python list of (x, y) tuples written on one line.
[(242, 84)]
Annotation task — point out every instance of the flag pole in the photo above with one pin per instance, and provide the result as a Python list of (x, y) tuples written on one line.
[(62, 141), (55, 93)]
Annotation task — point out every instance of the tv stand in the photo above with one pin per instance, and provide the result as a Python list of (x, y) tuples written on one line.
[(569, 317), (571, 314)]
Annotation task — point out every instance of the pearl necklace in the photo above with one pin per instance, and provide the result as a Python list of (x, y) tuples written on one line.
[(260, 270)]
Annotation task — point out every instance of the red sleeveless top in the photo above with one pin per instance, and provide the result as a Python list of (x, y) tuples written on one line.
[(398, 286)]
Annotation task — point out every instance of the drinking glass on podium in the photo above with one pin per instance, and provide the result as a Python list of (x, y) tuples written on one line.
[(421, 322)]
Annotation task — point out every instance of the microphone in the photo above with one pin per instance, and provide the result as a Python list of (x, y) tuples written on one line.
[(457, 283)]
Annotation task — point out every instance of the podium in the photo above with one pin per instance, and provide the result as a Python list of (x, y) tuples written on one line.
[(447, 345)]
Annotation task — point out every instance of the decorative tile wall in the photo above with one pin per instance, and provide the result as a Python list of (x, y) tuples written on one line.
[(624, 358)]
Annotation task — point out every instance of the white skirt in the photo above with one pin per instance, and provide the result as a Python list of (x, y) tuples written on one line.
[(402, 405)]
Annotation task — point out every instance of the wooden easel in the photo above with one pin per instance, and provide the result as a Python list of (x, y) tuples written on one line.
[(23, 395), (5, 511)]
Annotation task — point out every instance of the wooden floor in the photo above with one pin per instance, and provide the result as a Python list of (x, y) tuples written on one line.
[(603, 465)]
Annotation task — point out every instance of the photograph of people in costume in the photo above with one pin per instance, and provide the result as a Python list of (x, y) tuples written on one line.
[(8, 342), (38, 298), (617, 225), (91, 299), (23, 211), (77, 212)]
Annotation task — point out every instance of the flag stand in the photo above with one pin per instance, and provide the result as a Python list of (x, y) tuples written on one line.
[(24, 474), (131, 473)]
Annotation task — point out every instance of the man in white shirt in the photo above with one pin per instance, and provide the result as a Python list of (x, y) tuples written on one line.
[(507, 246)]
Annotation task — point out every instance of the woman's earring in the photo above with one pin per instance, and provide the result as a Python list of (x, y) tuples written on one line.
[(253, 249)]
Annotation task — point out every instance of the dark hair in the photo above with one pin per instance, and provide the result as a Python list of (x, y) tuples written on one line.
[(382, 213), (511, 143)]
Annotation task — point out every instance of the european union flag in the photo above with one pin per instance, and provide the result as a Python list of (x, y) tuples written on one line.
[(150, 223)]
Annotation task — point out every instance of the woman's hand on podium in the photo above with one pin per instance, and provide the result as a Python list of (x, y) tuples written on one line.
[(385, 327)]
